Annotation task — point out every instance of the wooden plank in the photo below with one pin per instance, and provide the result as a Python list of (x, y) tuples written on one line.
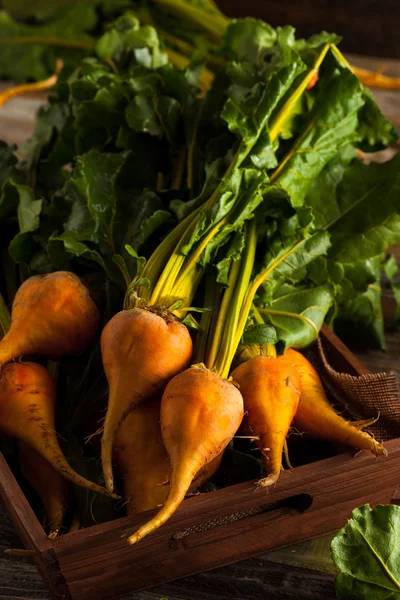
[(32, 533), (308, 502), (20, 511)]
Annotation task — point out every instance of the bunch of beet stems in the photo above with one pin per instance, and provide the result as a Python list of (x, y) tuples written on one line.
[(161, 293), (201, 409)]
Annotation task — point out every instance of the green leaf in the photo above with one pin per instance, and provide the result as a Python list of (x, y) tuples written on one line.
[(21, 61), (367, 553), (233, 253), (365, 225), (128, 38), (260, 334), (323, 191), (286, 259), (141, 115), (191, 322), (317, 40), (376, 131), (80, 250), (360, 315), (297, 316), (240, 196), (50, 122), (392, 271), (23, 245), (8, 163), (245, 38), (331, 125), (153, 223), (89, 197), (169, 114)]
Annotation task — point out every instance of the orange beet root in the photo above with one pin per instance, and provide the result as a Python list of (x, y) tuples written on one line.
[(143, 461), (50, 485), (27, 407), (271, 393), (52, 315), (141, 352), (200, 413)]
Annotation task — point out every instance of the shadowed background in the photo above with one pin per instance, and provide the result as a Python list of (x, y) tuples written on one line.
[(370, 27)]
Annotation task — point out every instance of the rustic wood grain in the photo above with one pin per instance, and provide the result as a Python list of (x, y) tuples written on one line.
[(309, 501), (257, 578)]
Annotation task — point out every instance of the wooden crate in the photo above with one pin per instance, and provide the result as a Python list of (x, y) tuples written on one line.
[(209, 530)]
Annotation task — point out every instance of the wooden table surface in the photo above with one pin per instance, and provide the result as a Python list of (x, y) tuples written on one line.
[(300, 572)]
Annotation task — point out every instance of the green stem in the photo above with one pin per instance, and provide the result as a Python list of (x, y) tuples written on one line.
[(177, 280), (218, 332), (191, 152), (287, 108), (253, 288), (178, 266), (211, 298), (5, 318), (230, 337), (213, 25), (120, 263), (276, 127), (179, 168), (48, 41), (257, 316), (146, 18)]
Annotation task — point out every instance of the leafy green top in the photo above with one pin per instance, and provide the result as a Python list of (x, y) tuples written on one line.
[(367, 553)]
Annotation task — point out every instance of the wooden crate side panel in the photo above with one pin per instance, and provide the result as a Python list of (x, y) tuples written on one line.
[(103, 561), (31, 531), (19, 509)]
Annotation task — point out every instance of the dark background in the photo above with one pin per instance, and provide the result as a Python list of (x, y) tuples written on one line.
[(370, 27)]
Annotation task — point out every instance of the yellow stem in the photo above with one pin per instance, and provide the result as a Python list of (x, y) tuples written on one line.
[(179, 168), (112, 64), (217, 334), (27, 88), (287, 107), (213, 25), (257, 316), (252, 290), (165, 283), (376, 79), (208, 319), (159, 258), (229, 342)]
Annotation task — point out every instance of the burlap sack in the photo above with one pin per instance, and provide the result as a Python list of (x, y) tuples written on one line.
[(363, 397)]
